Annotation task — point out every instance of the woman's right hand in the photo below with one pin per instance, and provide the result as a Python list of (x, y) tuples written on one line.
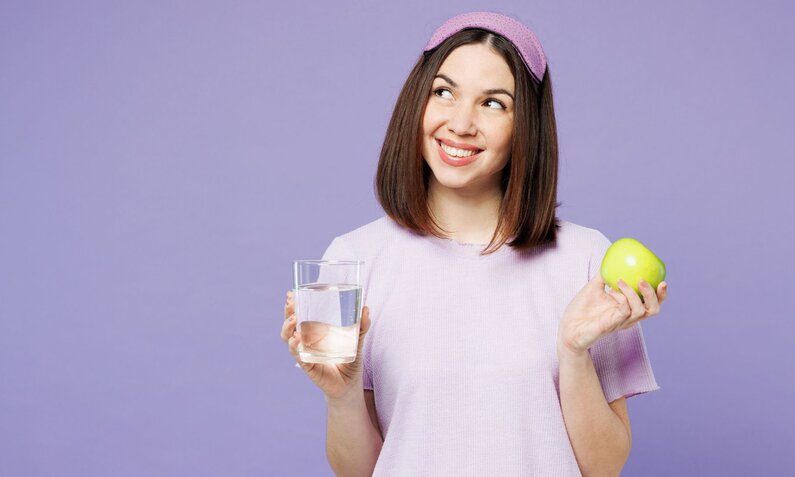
[(337, 381)]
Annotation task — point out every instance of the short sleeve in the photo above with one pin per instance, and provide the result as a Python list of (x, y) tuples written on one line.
[(338, 249), (620, 358)]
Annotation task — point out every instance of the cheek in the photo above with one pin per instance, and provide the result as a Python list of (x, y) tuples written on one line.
[(432, 119), (500, 136), (503, 146), (506, 141)]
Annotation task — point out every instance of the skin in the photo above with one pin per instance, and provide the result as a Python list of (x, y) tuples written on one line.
[(465, 201), (337, 381), (594, 313), (600, 433)]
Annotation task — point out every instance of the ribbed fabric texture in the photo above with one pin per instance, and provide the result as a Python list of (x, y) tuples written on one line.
[(462, 356)]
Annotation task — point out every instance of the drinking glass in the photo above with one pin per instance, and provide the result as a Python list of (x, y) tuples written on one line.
[(328, 309)]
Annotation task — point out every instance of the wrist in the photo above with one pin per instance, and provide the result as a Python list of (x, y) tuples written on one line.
[(567, 352), (351, 398)]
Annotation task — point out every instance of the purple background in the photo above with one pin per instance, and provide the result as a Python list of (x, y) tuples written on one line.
[(162, 163)]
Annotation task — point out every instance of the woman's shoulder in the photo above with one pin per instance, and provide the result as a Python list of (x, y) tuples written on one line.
[(582, 244), (573, 235), (368, 239), (381, 228)]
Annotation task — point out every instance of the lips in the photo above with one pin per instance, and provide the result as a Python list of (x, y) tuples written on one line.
[(458, 145), (455, 161)]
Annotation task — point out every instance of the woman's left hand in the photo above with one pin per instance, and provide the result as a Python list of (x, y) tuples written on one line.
[(594, 313)]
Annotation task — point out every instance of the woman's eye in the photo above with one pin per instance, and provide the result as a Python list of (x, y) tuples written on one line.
[(496, 102), (438, 91)]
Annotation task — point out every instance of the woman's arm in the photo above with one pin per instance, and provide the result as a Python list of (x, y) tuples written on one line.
[(353, 443), (600, 436)]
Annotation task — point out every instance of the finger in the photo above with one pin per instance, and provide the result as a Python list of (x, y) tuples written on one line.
[(623, 304), (289, 306), (619, 314), (597, 282), (292, 336), (292, 344), (650, 301), (365, 320), (662, 291), (364, 326), (288, 328), (637, 308)]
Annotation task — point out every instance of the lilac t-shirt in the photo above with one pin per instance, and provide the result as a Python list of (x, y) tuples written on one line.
[(461, 355)]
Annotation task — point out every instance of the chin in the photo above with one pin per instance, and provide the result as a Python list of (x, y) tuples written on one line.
[(456, 182)]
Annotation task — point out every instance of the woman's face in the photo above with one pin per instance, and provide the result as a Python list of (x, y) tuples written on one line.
[(471, 103)]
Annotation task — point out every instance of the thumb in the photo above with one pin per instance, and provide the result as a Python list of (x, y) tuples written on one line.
[(365, 325), (597, 282)]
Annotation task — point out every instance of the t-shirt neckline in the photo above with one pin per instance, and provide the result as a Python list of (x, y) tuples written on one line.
[(469, 251), (449, 246)]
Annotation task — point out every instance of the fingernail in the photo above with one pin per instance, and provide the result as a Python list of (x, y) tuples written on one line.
[(621, 282)]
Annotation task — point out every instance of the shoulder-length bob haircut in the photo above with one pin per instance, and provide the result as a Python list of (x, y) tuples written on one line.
[(529, 180)]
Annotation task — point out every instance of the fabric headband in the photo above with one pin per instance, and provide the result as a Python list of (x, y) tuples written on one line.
[(522, 38)]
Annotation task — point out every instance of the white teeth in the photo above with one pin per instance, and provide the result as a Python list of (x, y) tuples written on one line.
[(452, 151)]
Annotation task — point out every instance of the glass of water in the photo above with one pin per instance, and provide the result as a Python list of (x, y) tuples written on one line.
[(328, 308)]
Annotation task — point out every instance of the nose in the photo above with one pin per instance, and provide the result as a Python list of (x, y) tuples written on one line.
[(462, 121)]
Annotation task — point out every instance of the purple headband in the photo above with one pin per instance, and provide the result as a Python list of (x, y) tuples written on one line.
[(522, 38)]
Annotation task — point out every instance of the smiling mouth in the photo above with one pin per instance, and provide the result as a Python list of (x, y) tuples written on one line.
[(455, 160), (454, 153)]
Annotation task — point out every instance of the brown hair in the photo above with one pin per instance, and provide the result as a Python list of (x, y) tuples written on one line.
[(529, 185)]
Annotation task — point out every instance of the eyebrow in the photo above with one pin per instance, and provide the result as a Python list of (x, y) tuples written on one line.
[(486, 91)]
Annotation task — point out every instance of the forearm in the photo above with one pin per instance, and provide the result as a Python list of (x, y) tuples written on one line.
[(352, 442), (598, 436)]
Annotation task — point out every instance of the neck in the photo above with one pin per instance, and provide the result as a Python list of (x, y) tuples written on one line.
[(468, 217)]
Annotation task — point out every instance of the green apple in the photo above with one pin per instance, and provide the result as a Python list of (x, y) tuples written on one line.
[(630, 260)]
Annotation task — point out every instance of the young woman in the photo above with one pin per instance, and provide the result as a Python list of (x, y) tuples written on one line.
[(493, 347)]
